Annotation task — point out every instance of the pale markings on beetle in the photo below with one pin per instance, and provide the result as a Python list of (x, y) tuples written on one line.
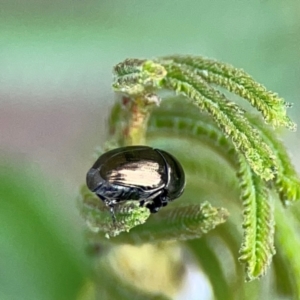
[(136, 174)]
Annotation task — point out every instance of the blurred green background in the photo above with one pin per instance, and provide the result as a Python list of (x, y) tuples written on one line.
[(56, 60)]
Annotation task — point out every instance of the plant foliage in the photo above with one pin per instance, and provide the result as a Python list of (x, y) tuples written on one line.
[(202, 115)]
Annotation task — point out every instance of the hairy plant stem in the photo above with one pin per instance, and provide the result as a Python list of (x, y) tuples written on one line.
[(132, 126)]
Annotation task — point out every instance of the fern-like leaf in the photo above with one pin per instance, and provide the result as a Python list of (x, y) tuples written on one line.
[(229, 117), (258, 224), (176, 224), (220, 124), (287, 182), (272, 107)]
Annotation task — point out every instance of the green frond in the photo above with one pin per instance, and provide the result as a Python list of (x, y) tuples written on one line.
[(287, 182), (177, 224), (258, 223), (246, 144), (272, 107), (229, 117)]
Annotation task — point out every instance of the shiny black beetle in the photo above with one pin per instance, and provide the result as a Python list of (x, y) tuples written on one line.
[(151, 176)]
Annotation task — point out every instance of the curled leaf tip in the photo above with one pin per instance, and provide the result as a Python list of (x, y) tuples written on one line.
[(137, 77)]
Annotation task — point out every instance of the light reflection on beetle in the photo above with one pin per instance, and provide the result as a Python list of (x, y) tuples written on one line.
[(151, 176)]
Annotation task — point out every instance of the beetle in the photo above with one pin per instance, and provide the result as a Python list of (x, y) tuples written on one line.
[(151, 176)]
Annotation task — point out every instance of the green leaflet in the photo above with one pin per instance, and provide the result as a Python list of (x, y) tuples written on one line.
[(258, 243), (180, 223), (272, 107), (176, 224), (228, 116), (286, 182)]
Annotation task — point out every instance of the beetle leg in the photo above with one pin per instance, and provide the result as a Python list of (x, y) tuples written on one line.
[(153, 207), (108, 203), (164, 201), (159, 199), (112, 212), (153, 203)]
